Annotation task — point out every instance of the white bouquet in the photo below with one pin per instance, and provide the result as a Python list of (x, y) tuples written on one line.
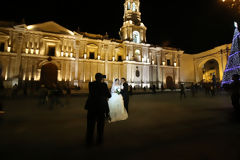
[(118, 91)]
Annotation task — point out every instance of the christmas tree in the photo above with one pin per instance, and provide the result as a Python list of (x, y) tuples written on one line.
[(233, 64)]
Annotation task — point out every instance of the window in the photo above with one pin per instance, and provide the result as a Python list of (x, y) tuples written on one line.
[(133, 7), (51, 51), (136, 37), (168, 62), (92, 55), (2, 47), (120, 58), (129, 6)]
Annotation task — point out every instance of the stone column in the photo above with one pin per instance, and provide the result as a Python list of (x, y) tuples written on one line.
[(77, 53), (158, 71), (19, 42), (106, 50)]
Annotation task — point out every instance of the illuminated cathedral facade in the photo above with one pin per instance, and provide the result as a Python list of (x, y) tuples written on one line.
[(48, 52)]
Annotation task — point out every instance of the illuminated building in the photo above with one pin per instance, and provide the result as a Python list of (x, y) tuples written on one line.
[(50, 52)]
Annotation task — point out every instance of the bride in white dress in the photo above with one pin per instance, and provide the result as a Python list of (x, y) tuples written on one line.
[(116, 104)]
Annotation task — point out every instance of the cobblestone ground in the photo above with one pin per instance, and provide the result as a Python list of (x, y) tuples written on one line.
[(159, 127)]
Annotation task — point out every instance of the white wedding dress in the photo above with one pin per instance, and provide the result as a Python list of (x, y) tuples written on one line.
[(116, 106)]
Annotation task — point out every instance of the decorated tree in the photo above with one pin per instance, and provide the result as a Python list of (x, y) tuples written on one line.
[(233, 64)]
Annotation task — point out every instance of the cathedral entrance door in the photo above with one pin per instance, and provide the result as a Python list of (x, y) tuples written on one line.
[(49, 73), (169, 82)]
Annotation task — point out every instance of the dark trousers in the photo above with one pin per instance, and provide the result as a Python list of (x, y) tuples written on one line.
[(182, 94), (94, 118), (126, 104)]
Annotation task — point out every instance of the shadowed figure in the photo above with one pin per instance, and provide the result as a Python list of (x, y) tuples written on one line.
[(234, 87), (125, 93), (98, 109), (182, 91)]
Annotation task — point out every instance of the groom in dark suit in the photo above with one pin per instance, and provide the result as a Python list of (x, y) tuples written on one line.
[(97, 107), (124, 93)]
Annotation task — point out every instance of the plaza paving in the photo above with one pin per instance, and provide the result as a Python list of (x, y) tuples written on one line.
[(159, 127)]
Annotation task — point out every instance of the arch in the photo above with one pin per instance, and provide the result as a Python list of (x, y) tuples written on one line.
[(169, 82), (92, 50), (209, 67), (41, 64), (136, 37), (119, 54), (49, 74)]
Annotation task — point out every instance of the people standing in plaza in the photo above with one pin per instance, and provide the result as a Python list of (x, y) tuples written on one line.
[(182, 91), (154, 89), (15, 91), (98, 109), (54, 96), (124, 92), (212, 89), (43, 95), (235, 94)]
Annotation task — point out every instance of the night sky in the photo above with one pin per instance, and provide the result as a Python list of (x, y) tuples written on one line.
[(192, 26)]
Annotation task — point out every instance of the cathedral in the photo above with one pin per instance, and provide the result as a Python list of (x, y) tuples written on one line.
[(49, 53)]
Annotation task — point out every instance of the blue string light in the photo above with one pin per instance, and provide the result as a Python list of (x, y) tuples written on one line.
[(233, 64)]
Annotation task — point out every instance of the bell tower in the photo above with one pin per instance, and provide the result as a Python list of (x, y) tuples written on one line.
[(133, 29)]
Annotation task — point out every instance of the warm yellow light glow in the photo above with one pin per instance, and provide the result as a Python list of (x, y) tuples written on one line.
[(59, 75), (27, 50), (37, 51), (153, 62), (32, 51), (66, 54), (71, 33), (85, 56), (30, 27), (6, 75), (9, 49), (62, 54), (175, 64), (71, 55), (113, 58), (163, 63), (24, 76), (99, 57), (127, 58)]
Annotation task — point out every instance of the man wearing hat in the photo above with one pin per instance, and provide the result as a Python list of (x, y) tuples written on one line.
[(97, 107)]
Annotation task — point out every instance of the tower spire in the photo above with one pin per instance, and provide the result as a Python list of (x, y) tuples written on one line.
[(133, 29)]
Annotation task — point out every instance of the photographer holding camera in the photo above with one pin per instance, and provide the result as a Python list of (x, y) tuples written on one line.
[(97, 107)]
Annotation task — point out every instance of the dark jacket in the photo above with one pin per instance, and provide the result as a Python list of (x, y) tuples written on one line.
[(124, 91), (235, 87), (98, 98)]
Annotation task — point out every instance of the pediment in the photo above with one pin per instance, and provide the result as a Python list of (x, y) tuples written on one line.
[(50, 27)]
